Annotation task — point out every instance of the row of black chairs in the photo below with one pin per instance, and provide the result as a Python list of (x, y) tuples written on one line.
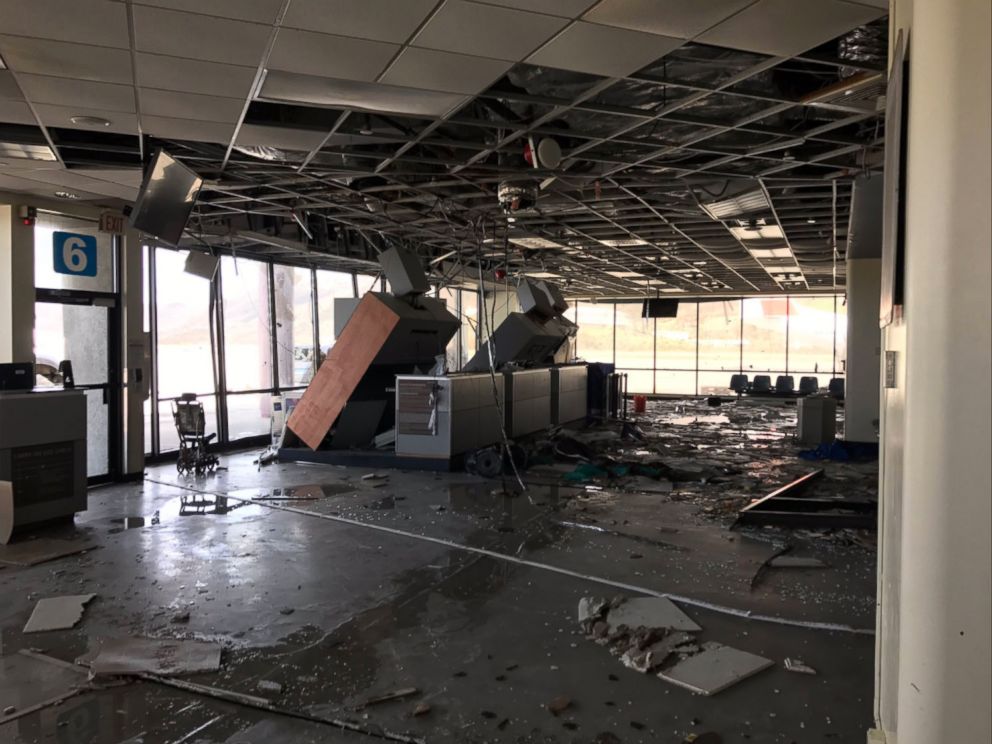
[(784, 385)]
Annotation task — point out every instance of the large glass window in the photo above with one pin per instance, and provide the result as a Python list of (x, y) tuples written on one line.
[(811, 336), (183, 356), (450, 299), (331, 285), (720, 336), (596, 329), (470, 323), (763, 341), (676, 340), (247, 326), (294, 326), (635, 338)]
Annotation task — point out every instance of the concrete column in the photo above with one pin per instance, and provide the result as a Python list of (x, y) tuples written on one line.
[(864, 341), (943, 607), (16, 287)]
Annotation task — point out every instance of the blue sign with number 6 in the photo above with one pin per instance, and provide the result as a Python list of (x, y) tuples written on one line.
[(74, 254)]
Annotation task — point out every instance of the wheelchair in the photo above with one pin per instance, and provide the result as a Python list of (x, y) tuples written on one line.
[(190, 420)]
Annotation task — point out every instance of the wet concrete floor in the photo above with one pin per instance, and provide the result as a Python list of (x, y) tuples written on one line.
[(282, 567)]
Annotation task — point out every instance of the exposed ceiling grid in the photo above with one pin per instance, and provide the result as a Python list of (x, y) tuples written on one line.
[(401, 122)]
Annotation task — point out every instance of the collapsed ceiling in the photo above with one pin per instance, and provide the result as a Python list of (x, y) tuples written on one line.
[(710, 171)]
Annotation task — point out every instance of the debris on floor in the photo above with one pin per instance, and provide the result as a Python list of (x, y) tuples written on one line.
[(649, 612), (794, 561), (403, 692), (153, 656), (715, 668), (57, 613), (41, 550), (795, 665)]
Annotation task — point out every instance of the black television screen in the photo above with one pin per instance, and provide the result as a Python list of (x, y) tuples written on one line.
[(658, 307), (166, 198)]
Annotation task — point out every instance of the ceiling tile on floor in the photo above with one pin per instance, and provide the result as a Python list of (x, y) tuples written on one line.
[(190, 106), (85, 93), (66, 59), (99, 22), (379, 20), (445, 71), (683, 19), (194, 76), (487, 30), (602, 50), (167, 127), (789, 27), (329, 56), (199, 37)]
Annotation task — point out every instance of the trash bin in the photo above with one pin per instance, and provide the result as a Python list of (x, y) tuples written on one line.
[(640, 403)]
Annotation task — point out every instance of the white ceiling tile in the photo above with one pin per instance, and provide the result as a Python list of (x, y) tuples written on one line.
[(309, 89), (199, 37), (284, 138), (683, 19), (194, 76), (329, 56), (788, 27), (602, 50), (444, 71), (25, 185), (8, 86), (187, 129), (16, 112), (65, 59), (487, 30), (58, 116), (564, 8), (257, 11), (86, 93), (98, 22), (190, 106), (380, 20)]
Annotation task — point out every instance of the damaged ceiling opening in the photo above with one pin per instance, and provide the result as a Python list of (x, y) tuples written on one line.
[(710, 171)]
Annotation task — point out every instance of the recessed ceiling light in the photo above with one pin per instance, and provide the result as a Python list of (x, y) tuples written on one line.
[(810, 221), (66, 195), (89, 121)]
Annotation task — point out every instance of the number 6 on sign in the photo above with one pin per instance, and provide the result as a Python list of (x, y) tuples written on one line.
[(74, 253)]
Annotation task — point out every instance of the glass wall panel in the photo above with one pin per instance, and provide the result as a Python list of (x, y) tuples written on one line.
[(248, 415), (167, 425), (840, 333), (635, 344), (596, 331), (183, 355), (294, 326), (470, 323), (368, 283), (676, 342), (811, 337), (720, 335), (763, 342), (675, 382), (638, 380), (247, 326), (450, 299), (331, 285)]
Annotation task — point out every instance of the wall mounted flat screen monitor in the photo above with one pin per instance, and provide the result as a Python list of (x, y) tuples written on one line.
[(656, 307), (166, 199)]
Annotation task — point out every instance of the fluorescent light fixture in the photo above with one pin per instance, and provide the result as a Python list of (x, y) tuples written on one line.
[(439, 259), (26, 152), (671, 289), (535, 242), (759, 232), (773, 146), (770, 252), (542, 275), (623, 274), (623, 242), (746, 203)]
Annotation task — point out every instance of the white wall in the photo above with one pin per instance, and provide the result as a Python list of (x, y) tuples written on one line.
[(935, 619), (864, 341)]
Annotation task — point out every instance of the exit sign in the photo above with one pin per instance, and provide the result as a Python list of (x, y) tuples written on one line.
[(112, 222)]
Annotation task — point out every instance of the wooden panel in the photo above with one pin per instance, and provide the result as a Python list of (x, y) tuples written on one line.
[(339, 375)]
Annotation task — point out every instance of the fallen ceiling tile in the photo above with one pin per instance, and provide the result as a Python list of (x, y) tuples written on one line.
[(715, 668), (650, 612), (148, 655), (57, 613)]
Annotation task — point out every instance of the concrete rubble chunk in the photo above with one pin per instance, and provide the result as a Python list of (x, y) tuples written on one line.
[(591, 608), (650, 612)]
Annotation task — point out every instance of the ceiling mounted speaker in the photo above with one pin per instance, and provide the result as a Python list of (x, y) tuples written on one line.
[(549, 153)]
